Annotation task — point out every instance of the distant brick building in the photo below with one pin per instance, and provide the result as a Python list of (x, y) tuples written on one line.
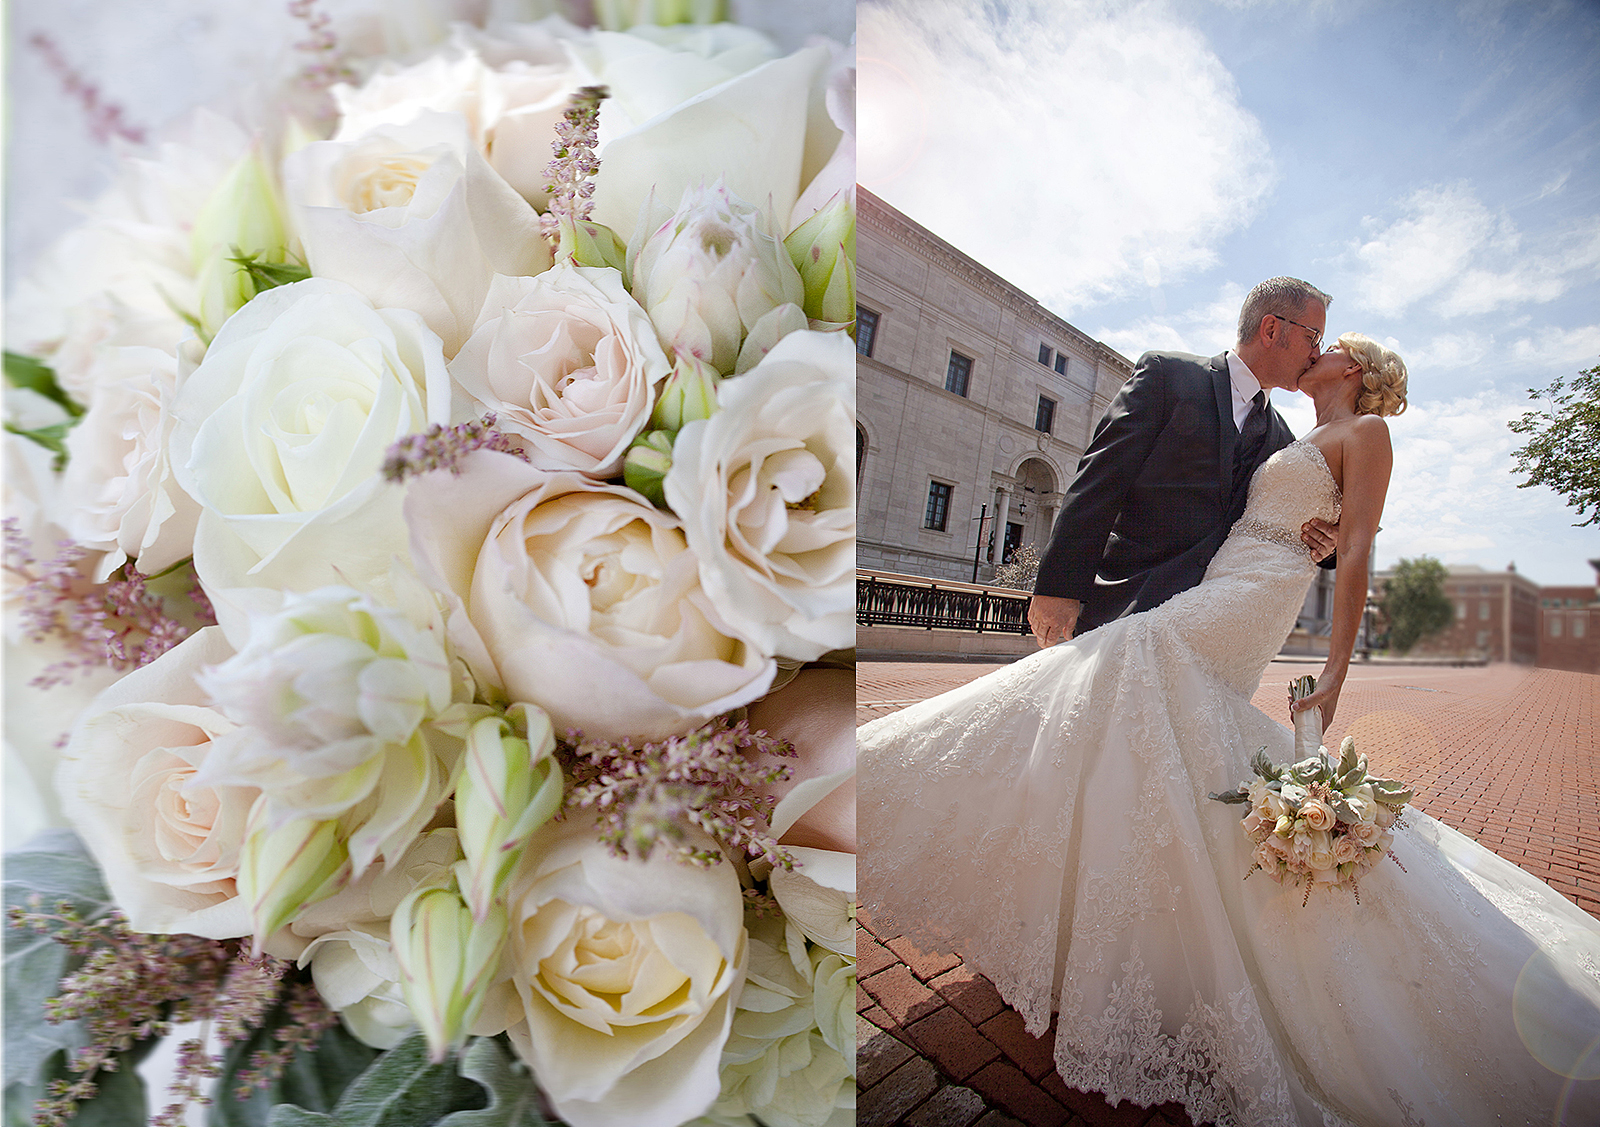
[(1569, 627), (1497, 616)]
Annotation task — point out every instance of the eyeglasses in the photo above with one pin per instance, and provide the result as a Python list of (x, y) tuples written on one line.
[(1316, 334)]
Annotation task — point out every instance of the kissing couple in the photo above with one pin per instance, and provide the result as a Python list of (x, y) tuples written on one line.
[(1050, 822)]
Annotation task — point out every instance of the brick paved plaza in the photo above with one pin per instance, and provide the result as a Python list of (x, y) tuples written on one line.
[(1503, 753)]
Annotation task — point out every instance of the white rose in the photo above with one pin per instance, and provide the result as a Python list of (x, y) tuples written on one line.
[(568, 361), (511, 91), (283, 428), (1320, 855), (168, 848), (627, 973), (766, 490), (579, 597), (121, 496), (1346, 848), (412, 216), (1366, 833), (358, 976), (765, 130)]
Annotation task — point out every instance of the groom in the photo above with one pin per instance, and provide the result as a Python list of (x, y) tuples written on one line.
[(1166, 472)]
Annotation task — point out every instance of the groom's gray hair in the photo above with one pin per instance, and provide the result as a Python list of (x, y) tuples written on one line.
[(1282, 297)]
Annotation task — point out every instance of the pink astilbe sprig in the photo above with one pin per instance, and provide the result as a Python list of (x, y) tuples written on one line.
[(442, 448), (106, 119), (650, 794), (327, 64), (132, 987), (571, 184), (121, 623)]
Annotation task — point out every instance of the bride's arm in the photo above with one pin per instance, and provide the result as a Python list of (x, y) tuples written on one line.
[(1367, 461)]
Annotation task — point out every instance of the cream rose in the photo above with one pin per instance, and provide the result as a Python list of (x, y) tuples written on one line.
[(569, 362), (121, 496), (1318, 814), (578, 597), (627, 972), (1346, 848), (169, 849), (282, 429), (766, 490), (412, 216), (1366, 833), (1320, 856), (511, 88), (357, 974)]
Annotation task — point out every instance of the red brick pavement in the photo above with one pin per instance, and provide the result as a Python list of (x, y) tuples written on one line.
[(1505, 754)]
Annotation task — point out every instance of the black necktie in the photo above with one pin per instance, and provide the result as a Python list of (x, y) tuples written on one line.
[(1251, 437)]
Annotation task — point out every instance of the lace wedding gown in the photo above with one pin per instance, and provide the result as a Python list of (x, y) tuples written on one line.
[(1050, 822)]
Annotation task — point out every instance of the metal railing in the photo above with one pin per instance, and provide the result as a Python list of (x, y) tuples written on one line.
[(907, 601)]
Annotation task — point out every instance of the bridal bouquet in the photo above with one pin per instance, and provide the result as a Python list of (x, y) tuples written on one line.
[(1317, 821), (431, 537)]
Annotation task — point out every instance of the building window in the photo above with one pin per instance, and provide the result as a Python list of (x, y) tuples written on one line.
[(1483, 612), (1461, 612), (1577, 627), (1061, 363), (938, 506), (1483, 639), (1044, 419), (957, 374), (1555, 626), (866, 330), (1044, 355)]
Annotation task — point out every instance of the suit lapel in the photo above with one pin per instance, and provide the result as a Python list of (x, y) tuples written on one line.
[(1227, 433)]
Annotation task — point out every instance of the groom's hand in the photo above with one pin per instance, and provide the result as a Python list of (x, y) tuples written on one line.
[(1321, 537), (1052, 619)]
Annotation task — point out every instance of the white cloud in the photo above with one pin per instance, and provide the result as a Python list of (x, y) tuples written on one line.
[(1203, 329), (1453, 495), (1076, 147), (1450, 253)]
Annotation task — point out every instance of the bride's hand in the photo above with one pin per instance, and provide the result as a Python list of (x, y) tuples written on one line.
[(1326, 697)]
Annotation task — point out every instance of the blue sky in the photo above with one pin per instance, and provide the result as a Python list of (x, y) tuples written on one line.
[(1137, 166)]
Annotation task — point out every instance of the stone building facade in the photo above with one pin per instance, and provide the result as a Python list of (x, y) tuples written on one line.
[(974, 404)]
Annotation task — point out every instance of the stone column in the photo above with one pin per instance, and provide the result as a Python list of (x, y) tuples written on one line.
[(1047, 524), (1002, 510)]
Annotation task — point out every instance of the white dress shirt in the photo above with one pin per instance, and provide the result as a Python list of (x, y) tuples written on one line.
[(1245, 386)]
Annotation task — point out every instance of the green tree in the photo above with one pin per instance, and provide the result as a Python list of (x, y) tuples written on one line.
[(1563, 449), (1414, 602)]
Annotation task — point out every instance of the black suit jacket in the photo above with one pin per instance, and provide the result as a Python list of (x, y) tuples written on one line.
[(1153, 498)]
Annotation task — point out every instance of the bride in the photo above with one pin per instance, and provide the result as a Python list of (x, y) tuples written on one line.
[(1050, 822)]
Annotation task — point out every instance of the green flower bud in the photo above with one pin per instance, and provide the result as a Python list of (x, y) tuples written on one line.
[(620, 15), (824, 251), (509, 787), (447, 962), (284, 868), (689, 393), (647, 463), (588, 243), (243, 218)]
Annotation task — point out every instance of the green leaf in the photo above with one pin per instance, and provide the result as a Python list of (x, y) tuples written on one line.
[(120, 1099), (53, 438), (56, 867), (514, 1102), (269, 275), (312, 1082), (404, 1089), (25, 371)]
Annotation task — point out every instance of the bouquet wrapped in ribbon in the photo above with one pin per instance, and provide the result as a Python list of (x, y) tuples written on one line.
[(430, 557), (1317, 821)]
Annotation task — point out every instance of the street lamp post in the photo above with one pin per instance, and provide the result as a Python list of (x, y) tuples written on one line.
[(977, 549)]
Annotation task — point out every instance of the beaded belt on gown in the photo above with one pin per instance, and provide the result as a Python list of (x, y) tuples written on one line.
[(1273, 533)]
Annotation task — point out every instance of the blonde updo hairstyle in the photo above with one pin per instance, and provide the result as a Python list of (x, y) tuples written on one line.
[(1383, 375)]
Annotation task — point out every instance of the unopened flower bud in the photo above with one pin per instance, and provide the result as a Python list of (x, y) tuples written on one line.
[(588, 243), (647, 463), (823, 249), (689, 393), (243, 217), (509, 787), (447, 962), (620, 15), (284, 868)]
